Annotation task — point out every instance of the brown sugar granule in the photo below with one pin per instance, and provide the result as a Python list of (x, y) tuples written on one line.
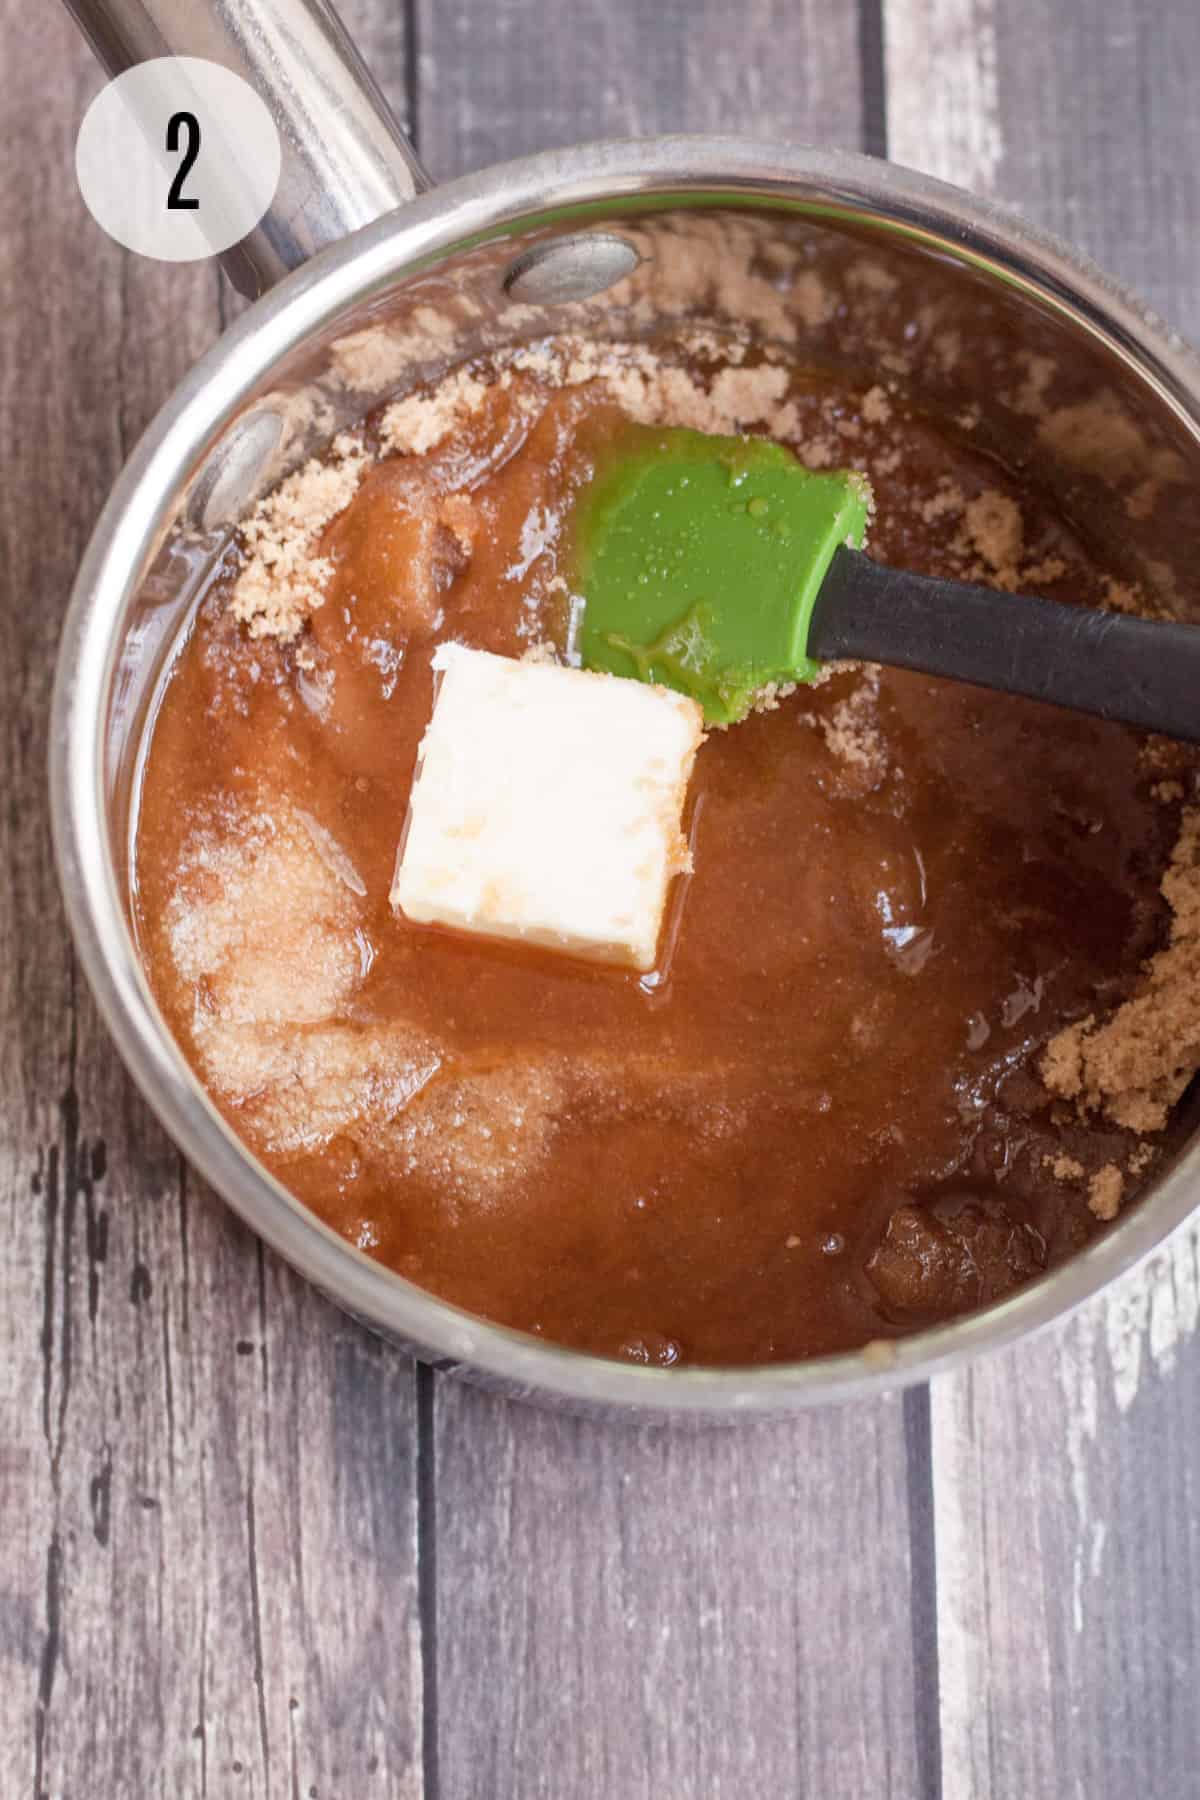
[(716, 346), (747, 395), (1030, 397), (1064, 1168), (736, 398), (1133, 1066), (812, 301), (1062, 1060), (1105, 1190), (1040, 574), (819, 453), (872, 277), (946, 349), (1144, 498), (876, 406), (1130, 597), (707, 266), (460, 516), (771, 697), (1101, 437), (1097, 435), (851, 731), (1120, 596), (1166, 757), (384, 354), (653, 391), (420, 422), (283, 580), (949, 498), (1140, 1159), (996, 532)]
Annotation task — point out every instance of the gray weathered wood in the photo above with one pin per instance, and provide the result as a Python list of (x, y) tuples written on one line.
[(208, 1569), (214, 1489), (1066, 1474), (673, 1612), (498, 80)]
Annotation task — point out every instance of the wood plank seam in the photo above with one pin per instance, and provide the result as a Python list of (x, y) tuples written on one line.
[(412, 73), (427, 1582), (918, 1458), (1063, 1468), (873, 75)]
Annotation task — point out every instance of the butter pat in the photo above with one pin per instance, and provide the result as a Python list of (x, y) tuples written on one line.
[(547, 805)]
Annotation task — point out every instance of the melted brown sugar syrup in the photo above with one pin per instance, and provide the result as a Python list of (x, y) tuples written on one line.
[(820, 1123)]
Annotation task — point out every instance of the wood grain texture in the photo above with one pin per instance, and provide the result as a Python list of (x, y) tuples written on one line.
[(1100, 136), (672, 1612), (1082, 116), (1066, 1473), (498, 80), (224, 1510), (208, 1570)]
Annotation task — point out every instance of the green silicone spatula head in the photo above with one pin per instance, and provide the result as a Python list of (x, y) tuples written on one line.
[(700, 560), (723, 567)]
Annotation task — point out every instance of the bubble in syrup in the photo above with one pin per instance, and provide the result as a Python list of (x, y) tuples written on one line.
[(653, 1351)]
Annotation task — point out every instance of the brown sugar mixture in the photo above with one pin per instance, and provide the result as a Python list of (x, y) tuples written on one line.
[(922, 1009)]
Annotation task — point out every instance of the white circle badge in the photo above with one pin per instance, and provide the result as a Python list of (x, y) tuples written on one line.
[(178, 158)]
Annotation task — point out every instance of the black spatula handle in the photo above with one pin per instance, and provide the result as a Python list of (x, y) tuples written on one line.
[(1135, 670)]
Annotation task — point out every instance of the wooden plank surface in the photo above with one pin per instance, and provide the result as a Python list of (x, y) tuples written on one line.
[(1066, 1473), (673, 1612), (496, 81), (246, 1550), (207, 1493)]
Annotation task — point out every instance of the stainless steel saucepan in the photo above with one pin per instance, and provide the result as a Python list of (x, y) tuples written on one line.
[(369, 283)]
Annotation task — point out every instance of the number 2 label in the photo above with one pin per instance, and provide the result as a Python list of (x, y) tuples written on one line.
[(189, 125), (178, 158)]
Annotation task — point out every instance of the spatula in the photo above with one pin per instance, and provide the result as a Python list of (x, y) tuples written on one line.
[(722, 566)]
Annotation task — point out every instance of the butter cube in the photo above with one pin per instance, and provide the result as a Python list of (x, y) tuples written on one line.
[(546, 806)]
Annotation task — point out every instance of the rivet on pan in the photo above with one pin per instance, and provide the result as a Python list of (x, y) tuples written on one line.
[(570, 268), (236, 471)]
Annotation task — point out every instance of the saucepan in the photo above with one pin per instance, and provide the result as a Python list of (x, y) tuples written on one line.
[(365, 283)]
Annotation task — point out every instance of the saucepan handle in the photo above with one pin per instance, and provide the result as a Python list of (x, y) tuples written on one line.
[(345, 159)]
